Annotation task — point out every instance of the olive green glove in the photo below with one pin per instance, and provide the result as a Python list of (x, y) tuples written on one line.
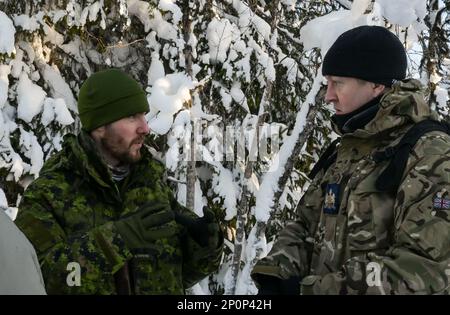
[(205, 230), (151, 222)]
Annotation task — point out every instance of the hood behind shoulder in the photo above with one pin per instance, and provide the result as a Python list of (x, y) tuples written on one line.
[(402, 105)]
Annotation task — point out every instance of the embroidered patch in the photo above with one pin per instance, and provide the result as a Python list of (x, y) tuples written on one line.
[(331, 203), (441, 203)]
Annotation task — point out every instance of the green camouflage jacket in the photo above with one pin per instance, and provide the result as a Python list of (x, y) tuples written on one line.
[(68, 213), (374, 242)]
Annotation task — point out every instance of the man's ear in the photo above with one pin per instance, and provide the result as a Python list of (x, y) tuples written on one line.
[(378, 89), (98, 133)]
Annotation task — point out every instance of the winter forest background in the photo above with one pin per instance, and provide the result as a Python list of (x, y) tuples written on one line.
[(224, 77)]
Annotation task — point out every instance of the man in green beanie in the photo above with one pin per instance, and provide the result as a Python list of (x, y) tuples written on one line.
[(101, 216)]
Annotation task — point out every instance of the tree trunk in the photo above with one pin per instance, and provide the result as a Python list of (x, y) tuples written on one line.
[(244, 204), (191, 171)]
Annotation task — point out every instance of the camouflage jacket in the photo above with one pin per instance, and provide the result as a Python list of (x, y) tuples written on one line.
[(351, 238), (68, 213)]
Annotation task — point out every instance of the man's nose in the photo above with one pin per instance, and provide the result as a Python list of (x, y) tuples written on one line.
[(143, 126), (330, 96)]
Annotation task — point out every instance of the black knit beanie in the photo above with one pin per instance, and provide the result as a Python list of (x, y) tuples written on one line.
[(370, 53)]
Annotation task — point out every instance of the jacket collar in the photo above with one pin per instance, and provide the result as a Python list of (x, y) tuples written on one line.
[(89, 162), (402, 105), (358, 118)]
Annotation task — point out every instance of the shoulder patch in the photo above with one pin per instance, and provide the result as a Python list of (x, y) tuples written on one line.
[(441, 203)]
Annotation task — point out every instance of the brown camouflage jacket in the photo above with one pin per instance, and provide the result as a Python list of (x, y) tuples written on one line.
[(351, 238)]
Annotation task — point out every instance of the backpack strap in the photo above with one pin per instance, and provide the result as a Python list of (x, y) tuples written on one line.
[(389, 180), (326, 159)]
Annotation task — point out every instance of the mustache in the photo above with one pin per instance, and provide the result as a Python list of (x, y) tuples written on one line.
[(137, 140)]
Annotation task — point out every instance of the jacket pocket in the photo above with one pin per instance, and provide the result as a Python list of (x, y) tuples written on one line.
[(157, 270), (370, 214)]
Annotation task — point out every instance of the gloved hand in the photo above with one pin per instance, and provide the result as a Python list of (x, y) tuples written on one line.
[(204, 230), (152, 221), (269, 285)]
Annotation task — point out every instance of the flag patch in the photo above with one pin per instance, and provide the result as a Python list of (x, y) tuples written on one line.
[(441, 203)]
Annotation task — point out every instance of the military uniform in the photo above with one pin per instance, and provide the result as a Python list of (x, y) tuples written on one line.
[(68, 214), (350, 237)]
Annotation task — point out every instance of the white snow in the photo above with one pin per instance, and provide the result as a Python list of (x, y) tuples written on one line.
[(359, 7), (403, 12), (52, 36), (161, 123), (248, 18), (245, 284), (17, 166), (291, 67), (7, 32), (58, 15), (32, 150), (335, 23), (5, 70), (220, 34), (62, 114), (200, 201), (290, 4), (73, 49), (239, 96), (26, 22), (226, 98), (91, 12), (225, 187), (223, 184), (58, 87), (3, 201), (332, 25), (30, 98), (10, 211), (163, 29), (169, 5), (17, 65), (167, 96), (264, 197), (156, 70), (442, 98), (140, 9), (196, 111), (48, 113)]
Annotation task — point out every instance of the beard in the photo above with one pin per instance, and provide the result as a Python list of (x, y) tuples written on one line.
[(118, 147)]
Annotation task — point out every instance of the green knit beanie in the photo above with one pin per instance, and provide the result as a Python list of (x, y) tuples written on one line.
[(107, 96)]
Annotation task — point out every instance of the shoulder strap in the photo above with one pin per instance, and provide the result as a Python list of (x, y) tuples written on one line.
[(389, 180), (326, 159)]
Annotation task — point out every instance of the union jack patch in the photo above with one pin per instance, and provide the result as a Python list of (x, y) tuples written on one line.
[(441, 203)]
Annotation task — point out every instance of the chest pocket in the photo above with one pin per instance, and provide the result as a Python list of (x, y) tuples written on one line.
[(370, 212)]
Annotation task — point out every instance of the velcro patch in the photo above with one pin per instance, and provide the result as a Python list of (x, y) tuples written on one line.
[(331, 202), (441, 203)]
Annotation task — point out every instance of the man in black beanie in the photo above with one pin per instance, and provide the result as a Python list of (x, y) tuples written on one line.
[(101, 216), (375, 218)]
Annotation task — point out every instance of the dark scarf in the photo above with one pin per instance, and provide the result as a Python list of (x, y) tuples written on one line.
[(357, 119)]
